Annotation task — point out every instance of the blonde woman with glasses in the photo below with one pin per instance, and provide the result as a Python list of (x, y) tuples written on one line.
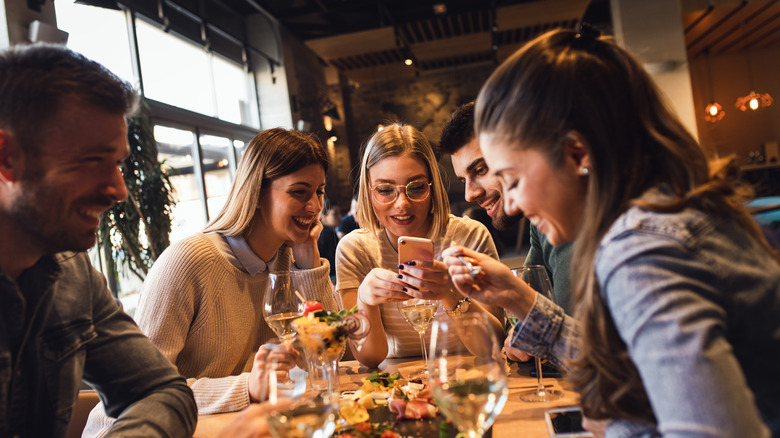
[(402, 194)]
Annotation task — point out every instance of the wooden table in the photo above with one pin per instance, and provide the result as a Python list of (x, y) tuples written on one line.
[(517, 419)]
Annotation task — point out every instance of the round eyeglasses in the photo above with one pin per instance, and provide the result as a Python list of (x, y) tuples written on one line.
[(388, 193)]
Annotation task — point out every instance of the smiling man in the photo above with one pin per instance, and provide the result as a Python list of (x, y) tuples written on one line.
[(482, 187), (63, 139)]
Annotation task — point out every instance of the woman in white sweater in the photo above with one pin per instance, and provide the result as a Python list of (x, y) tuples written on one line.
[(201, 303), (402, 194)]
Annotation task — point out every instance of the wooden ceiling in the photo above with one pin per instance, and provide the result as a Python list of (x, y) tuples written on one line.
[(369, 40), (727, 27), (469, 32)]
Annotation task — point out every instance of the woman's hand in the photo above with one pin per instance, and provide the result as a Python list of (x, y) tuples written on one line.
[(284, 356), (427, 280), (381, 286), (306, 253), (495, 284), (513, 353), (596, 427)]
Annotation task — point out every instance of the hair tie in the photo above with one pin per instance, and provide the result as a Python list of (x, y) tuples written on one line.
[(585, 34)]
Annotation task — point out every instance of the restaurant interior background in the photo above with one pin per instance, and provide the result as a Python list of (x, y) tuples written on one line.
[(214, 72)]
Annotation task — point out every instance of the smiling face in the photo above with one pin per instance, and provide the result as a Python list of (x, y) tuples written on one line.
[(290, 205), (402, 217), (481, 186), (75, 177), (552, 198)]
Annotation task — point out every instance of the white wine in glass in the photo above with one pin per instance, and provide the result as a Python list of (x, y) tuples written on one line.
[(468, 381), (281, 305), (536, 277), (419, 314), (296, 414)]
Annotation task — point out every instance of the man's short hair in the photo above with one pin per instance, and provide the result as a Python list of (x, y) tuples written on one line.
[(35, 79), (459, 130)]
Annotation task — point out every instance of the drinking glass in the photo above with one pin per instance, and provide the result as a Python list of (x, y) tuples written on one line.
[(323, 345), (536, 277), (467, 374), (299, 414), (281, 305), (419, 313)]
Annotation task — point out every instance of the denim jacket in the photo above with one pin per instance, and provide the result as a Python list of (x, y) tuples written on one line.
[(697, 303), (59, 324)]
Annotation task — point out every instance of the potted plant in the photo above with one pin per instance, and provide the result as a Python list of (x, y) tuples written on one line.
[(133, 233)]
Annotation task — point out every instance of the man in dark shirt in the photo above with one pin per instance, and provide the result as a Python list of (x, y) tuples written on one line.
[(459, 140), (63, 138)]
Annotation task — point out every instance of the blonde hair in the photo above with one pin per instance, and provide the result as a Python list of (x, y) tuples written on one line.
[(395, 140), (269, 155)]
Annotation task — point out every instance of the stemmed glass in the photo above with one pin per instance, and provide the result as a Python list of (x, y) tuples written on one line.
[(281, 305), (294, 415), (536, 277), (419, 313), (468, 373)]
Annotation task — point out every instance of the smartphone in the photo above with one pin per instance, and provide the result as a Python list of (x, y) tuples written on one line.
[(414, 248), (565, 421)]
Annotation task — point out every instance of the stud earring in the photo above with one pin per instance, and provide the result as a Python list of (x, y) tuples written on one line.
[(584, 171)]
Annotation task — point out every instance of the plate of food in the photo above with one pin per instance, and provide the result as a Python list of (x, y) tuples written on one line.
[(387, 406)]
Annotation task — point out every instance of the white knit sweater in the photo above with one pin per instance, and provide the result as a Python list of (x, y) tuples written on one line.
[(205, 315)]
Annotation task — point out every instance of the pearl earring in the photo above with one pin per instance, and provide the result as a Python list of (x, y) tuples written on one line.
[(584, 171)]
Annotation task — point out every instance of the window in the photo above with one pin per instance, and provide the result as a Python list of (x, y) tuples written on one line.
[(216, 171), (192, 94), (176, 154), (99, 34)]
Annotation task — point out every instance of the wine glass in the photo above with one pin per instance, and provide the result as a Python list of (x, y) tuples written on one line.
[(297, 414), (536, 277), (468, 374), (323, 344), (281, 305), (419, 313)]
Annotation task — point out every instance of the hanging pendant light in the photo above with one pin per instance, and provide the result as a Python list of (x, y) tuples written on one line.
[(753, 100), (714, 111)]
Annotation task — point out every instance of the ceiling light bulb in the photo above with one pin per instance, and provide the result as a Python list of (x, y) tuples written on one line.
[(753, 104), (714, 112), (408, 61)]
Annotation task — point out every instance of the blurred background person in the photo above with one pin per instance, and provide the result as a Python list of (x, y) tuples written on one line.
[(349, 220), (326, 243)]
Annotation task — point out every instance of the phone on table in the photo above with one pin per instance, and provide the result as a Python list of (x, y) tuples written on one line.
[(414, 248), (566, 422)]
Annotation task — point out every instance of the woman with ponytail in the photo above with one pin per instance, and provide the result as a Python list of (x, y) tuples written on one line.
[(677, 294)]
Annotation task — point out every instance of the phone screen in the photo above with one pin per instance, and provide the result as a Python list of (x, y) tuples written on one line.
[(567, 422)]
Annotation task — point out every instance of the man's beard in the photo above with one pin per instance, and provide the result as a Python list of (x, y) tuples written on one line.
[(503, 221), (44, 220)]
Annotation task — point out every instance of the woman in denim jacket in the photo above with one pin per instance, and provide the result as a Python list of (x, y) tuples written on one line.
[(677, 294)]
